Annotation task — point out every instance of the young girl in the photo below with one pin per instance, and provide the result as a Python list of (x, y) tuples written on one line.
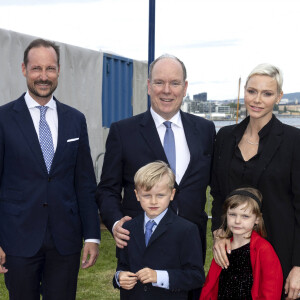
[(254, 270)]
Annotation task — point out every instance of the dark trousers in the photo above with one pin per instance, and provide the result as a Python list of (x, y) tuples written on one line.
[(48, 273), (194, 294)]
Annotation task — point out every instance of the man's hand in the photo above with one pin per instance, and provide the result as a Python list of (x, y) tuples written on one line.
[(127, 280), (292, 284), (90, 254), (219, 249), (2, 261), (147, 275), (120, 234)]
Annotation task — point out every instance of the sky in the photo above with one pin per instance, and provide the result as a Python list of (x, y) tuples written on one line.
[(218, 40)]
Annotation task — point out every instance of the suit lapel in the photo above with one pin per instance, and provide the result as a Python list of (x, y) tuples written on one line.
[(228, 147), (270, 148), (162, 226), (25, 123), (137, 232), (191, 135), (226, 152), (150, 135)]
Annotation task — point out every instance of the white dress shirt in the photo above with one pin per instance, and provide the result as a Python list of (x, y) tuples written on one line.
[(52, 120), (51, 116), (162, 276), (182, 149)]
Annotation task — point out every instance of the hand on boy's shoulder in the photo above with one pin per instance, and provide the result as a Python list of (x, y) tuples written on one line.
[(127, 280), (120, 234), (147, 275), (2, 261)]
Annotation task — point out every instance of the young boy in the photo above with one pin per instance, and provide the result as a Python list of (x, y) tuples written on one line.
[(170, 263)]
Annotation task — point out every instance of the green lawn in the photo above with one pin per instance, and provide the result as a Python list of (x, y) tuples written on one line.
[(96, 282)]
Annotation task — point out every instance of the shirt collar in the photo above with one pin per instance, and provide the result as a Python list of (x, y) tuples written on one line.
[(158, 120), (266, 129), (31, 103), (156, 219), (240, 129)]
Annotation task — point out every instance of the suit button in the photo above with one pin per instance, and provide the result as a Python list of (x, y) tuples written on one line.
[(45, 204), (145, 288), (49, 179)]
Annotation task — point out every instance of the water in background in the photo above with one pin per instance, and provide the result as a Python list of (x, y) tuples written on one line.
[(293, 121)]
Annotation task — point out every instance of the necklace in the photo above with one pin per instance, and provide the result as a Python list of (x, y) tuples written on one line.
[(246, 139), (251, 143)]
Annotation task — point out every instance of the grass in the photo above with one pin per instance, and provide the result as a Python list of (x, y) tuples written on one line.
[(96, 282)]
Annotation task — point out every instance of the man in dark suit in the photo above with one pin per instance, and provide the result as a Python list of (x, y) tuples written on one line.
[(136, 141), (47, 186), (163, 259)]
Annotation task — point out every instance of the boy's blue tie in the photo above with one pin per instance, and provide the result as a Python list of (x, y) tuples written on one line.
[(148, 232), (46, 141), (169, 146)]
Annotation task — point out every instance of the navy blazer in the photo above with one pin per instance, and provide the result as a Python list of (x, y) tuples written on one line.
[(30, 198), (276, 176), (133, 143), (174, 246)]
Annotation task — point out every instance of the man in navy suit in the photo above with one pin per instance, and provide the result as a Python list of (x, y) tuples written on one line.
[(47, 203), (136, 141), (163, 258)]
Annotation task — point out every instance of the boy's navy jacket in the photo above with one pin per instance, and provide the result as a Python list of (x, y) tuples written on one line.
[(174, 246)]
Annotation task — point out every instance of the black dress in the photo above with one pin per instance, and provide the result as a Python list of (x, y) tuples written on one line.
[(236, 281), (242, 172)]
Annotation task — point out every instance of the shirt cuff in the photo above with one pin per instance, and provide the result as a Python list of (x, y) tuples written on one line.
[(162, 279), (96, 241), (112, 230), (117, 277)]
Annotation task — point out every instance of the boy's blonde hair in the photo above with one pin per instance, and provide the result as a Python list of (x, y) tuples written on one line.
[(239, 197), (149, 175)]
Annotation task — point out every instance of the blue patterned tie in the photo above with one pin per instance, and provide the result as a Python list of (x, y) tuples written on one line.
[(169, 146), (46, 141), (148, 232)]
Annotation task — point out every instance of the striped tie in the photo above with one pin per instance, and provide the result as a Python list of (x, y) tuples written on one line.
[(169, 146), (46, 141), (148, 231)]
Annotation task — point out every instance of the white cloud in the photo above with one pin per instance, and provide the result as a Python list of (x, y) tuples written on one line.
[(219, 41)]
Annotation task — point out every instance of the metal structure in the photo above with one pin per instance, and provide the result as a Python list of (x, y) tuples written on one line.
[(116, 89), (151, 41)]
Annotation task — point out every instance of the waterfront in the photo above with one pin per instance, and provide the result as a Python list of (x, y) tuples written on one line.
[(293, 121)]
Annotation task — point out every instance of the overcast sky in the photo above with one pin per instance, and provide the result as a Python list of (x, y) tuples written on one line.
[(218, 40)]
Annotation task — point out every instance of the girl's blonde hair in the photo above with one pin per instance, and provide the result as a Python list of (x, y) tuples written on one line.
[(252, 198)]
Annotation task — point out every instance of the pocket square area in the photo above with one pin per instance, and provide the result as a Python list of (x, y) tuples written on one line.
[(72, 140)]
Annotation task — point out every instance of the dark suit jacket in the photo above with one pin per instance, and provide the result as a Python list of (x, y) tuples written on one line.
[(266, 271), (134, 142), (278, 179), (174, 246), (25, 185)]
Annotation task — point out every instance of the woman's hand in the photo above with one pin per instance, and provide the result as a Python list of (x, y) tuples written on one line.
[(221, 247), (292, 284), (2, 261)]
